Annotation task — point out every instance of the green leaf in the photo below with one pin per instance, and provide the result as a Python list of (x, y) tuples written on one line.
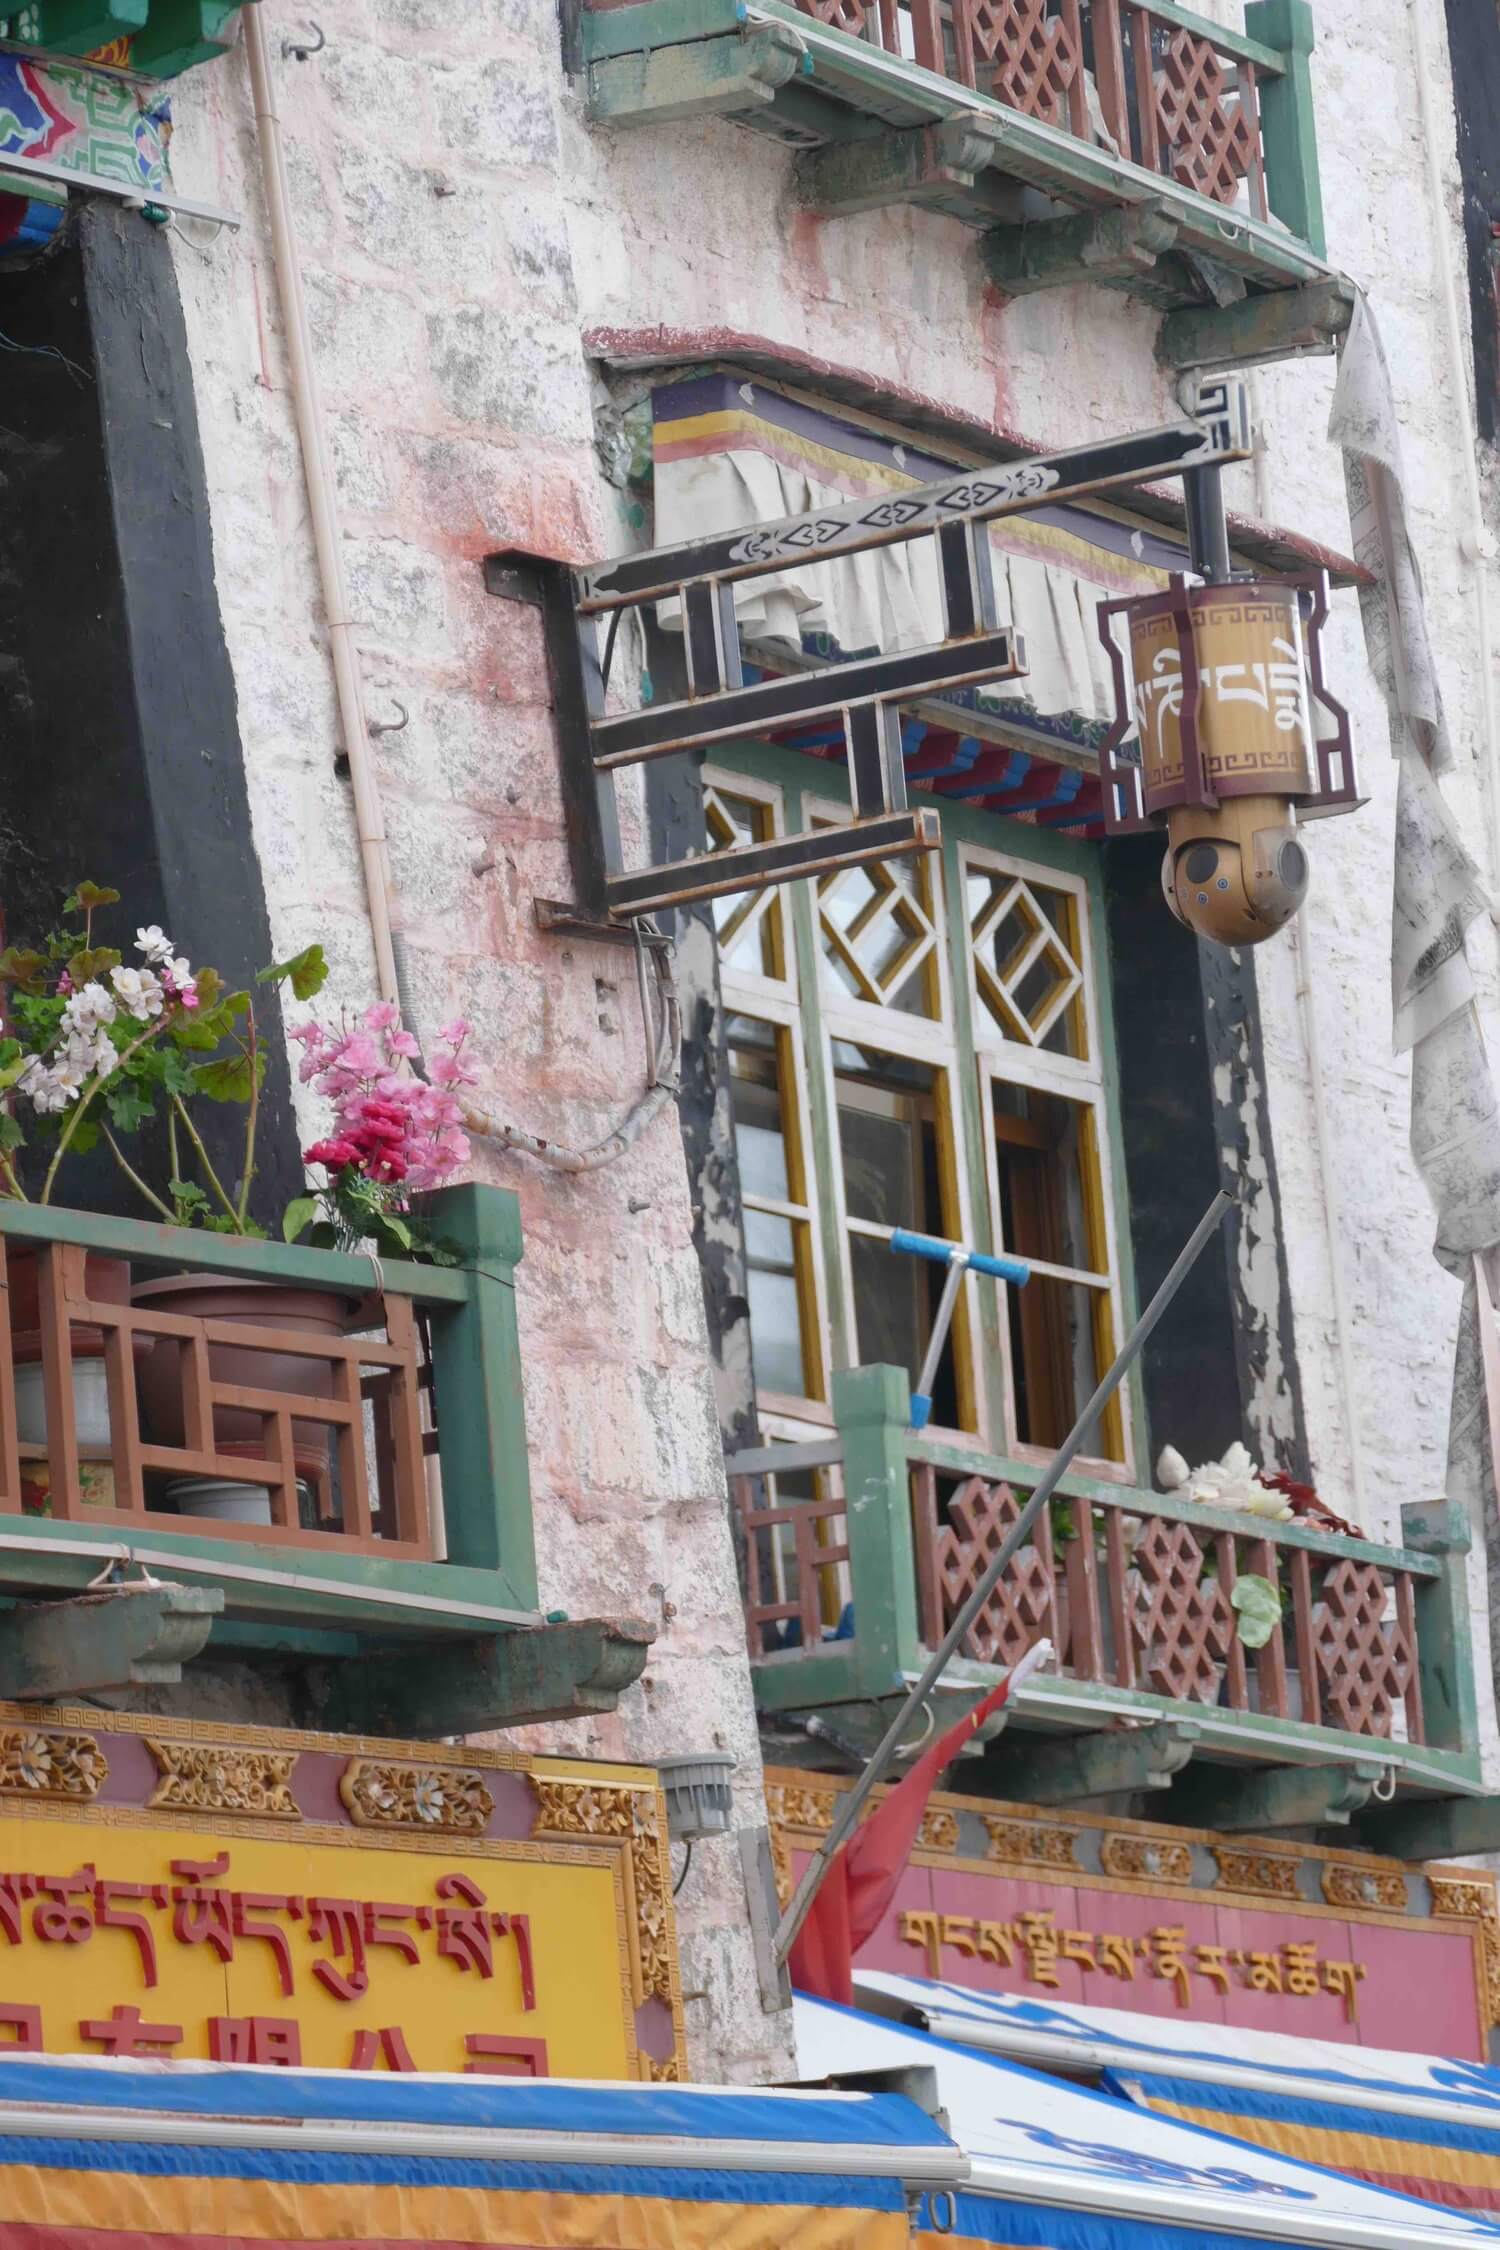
[(324, 1236), (298, 1215), (1257, 1608), (188, 1201), (229, 1080), (85, 1137), (127, 1104), (307, 972), (88, 896), (11, 1135), (92, 961), (20, 966)]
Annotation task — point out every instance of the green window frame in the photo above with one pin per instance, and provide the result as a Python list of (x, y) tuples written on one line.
[(929, 1044)]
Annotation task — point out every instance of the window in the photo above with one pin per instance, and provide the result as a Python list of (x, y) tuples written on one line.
[(919, 1044)]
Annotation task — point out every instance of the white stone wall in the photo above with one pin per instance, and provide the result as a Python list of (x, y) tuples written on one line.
[(463, 231)]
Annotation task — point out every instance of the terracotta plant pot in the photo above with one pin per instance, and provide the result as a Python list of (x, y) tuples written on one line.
[(252, 1304), (107, 1280)]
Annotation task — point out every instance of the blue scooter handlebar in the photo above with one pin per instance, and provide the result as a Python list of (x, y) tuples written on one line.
[(1014, 1270)]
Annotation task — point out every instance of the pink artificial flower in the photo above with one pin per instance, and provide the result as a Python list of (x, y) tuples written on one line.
[(334, 1154), (402, 1043), (309, 1034), (382, 1016), (454, 1034)]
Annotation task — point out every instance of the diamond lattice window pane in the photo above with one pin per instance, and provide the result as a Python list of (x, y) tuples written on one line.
[(877, 935), (1027, 966)]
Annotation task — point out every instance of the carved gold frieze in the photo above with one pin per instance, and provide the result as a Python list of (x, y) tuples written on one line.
[(1262, 1874), (664, 2073), (1474, 1902), (939, 1831), (633, 1816), (388, 1793), (1147, 1858), (1031, 1843), (799, 1805), (37, 1763), (223, 1777), (1346, 1883)]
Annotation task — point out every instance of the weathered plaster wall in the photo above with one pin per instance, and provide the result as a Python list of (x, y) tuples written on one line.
[(463, 230), (440, 282)]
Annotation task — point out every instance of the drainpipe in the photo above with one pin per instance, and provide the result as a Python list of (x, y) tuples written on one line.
[(327, 537)]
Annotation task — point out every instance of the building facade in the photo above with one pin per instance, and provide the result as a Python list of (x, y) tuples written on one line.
[(575, 283)]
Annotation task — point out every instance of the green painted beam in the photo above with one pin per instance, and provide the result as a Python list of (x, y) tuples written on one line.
[(1282, 324), (702, 78), (1112, 246), (184, 33), (81, 27), (120, 1637), (872, 1407), (1260, 1802), (1455, 1828), (1061, 1769), (810, 1679), (1288, 125), (1262, 50), (1445, 1641), (656, 23), (862, 1725), (502, 1680), (925, 166), (181, 1248)]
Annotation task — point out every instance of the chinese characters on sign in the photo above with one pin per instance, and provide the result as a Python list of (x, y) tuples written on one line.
[(1034, 1942)]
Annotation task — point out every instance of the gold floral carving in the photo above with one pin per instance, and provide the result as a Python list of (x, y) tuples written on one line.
[(798, 1805), (667, 2073), (1474, 1902), (1266, 1874), (578, 1808), (37, 1764), (1150, 1858), (384, 1793), (1347, 1884), (223, 1777), (1030, 1842), (939, 1831)]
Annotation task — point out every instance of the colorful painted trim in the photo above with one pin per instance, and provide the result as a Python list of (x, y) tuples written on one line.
[(986, 2222), (1437, 2161), (720, 414)]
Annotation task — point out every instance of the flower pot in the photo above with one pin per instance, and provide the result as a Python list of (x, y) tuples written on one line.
[(107, 1281), (221, 1500), (250, 1304), (90, 1402)]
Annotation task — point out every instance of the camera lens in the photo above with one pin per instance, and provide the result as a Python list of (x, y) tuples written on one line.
[(1200, 863), (1291, 866)]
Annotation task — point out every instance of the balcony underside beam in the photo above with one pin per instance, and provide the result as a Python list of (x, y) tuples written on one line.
[(1061, 1771), (1451, 1828), (1283, 324), (700, 78), (1119, 246), (123, 1636), (1276, 1797), (511, 1679), (939, 166)]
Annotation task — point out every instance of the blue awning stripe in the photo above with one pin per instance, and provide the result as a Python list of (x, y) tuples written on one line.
[(1297, 2109), (1033, 2226)]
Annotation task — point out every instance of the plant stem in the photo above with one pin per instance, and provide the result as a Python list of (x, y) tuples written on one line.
[(86, 1096), (135, 1179), (173, 1153), (7, 1166), (249, 1173), (209, 1173)]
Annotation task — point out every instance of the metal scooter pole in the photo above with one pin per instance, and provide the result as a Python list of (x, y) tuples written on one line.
[(851, 1803)]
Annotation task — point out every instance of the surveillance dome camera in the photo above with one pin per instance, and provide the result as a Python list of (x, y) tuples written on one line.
[(1236, 872)]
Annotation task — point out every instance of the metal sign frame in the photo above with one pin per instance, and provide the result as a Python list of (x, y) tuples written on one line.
[(867, 693)]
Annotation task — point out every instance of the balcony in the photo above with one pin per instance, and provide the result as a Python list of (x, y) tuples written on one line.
[(1141, 147), (264, 1452), (1358, 1709)]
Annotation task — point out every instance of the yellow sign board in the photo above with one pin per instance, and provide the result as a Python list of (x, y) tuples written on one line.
[(220, 1894)]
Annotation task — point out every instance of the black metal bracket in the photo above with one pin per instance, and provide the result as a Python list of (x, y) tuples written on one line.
[(867, 694)]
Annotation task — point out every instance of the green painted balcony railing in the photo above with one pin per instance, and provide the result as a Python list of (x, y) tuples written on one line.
[(128, 1410), (1129, 142), (860, 1551), (159, 38)]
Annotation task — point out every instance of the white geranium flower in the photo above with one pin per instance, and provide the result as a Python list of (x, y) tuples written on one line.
[(89, 1007), (154, 943), (139, 992)]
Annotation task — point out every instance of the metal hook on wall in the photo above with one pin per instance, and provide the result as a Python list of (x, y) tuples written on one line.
[(296, 50), (378, 727)]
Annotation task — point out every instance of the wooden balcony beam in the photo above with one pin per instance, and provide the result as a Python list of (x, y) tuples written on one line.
[(700, 78), (133, 1635), (931, 165), (1281, 324), (1114, 246), (1112, 1763), (564, 1671), (1446, 1828), (1277, 1797)]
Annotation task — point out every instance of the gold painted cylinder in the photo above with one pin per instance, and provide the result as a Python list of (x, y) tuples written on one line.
[(1254, 724)]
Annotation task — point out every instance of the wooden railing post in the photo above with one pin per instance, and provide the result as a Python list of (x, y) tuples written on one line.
[(1445, 1650), (872, 1406), (1288, 129), (481, 1412)]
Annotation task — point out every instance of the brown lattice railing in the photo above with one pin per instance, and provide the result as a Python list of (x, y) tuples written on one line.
[(796, 1563), (1143, 1600), (1173, 95)]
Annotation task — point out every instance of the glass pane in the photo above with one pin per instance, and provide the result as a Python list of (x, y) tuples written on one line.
[(1047, 1167), (885, 1114), (1027, 960), (775, 1308), (877, 934), (748, 922), (1061, 1342), (759, 1124), (891, 1308)]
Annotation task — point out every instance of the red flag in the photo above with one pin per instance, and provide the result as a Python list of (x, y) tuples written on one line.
[(860, 1880)]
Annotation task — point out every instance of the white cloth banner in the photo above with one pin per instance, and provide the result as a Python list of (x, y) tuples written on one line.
[(1455, 1121)]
